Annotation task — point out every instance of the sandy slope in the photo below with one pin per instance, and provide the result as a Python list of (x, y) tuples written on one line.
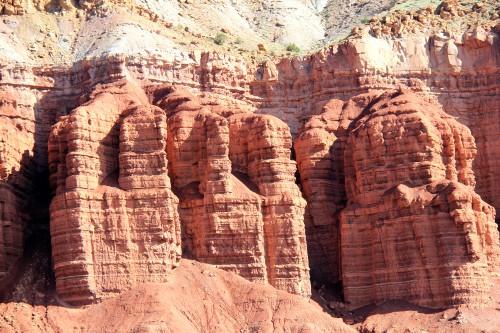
[(198, 298)]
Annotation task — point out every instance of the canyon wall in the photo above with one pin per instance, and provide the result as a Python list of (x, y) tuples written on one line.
[(389, 175), (398, 195), (114, 220), (413, 228), (240, 206)]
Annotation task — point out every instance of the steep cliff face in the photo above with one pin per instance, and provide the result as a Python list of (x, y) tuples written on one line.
[(259, 149), (12, 218), (114, 219), (402, 169), (240, 206), (320, 148), (413, 228), (160, 148)]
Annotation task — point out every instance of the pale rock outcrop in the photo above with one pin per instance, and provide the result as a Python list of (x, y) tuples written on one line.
[(413, 228), (114, 220)]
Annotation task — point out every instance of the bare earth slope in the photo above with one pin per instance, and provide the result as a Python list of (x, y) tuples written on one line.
[(196, 298)]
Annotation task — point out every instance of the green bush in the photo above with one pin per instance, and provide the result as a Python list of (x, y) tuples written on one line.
[(365, 20), (239, 40), (293, 48), (220, 39)]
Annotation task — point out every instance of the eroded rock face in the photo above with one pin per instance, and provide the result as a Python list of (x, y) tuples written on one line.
[(114, 219), (413, 228), (239, 205), (388, 177), (259, 149), (320, 149), (233, 169), (14, 148)]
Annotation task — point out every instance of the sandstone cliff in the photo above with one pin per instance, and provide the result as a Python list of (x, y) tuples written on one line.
[(158, 150), (114, 219), (407, 170), (240, 206), (413, 228)]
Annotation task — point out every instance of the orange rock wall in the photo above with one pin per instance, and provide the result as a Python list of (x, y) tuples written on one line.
[(240, 207), (259, 149), (234, 171), (114, 219), (392, 175)]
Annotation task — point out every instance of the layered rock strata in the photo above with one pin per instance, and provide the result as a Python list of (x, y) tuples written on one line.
[(319, 149), (13, 149), (388, 177), (460, 70), (23, 134), (240, 207), (259, 150), (413, 227), (114, 219), (115, 222)]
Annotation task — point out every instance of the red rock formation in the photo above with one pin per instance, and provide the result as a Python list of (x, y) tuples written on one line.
[(320, 149), (221, 218), (114, 220), (461, 72), (19, 160), (12, 148), (413, 227), (259, 150), (240, 207)]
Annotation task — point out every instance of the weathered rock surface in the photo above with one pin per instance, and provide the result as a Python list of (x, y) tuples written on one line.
[(259, 150), (413, 228), (114, 219), (13, 150), (319, 148), (228, 157), (240, 207), (115, 222)]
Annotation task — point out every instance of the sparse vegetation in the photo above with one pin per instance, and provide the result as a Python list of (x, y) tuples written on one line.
[(292, 48), (239, 40), (220, 39), (365, 20)]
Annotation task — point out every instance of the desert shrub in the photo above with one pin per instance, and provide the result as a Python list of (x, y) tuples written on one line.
[(220, 39), (292, 48)]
